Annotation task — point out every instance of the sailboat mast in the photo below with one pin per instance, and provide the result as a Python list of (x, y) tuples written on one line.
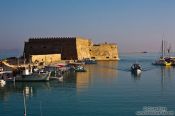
[(162, 48), (165, 47)]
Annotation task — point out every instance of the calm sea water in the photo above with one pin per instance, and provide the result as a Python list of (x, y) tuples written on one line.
[(107, 89)]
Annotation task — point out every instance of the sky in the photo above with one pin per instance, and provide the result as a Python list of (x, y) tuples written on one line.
[(135, 25)]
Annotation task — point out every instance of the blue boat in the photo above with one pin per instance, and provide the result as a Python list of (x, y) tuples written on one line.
[(90, 61)]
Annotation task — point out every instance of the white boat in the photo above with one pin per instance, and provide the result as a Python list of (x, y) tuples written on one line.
[(56, 72), (34, 76), (80, 69), (56, 75), (2, 82), (5, 75), (136, 69)]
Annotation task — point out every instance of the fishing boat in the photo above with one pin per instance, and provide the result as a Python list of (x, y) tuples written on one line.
[(27, 76), (136, 69)]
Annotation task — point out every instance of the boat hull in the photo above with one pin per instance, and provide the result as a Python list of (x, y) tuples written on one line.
[(90, 62), (80, 70), (136, 71), (56, 78), (162, 63)]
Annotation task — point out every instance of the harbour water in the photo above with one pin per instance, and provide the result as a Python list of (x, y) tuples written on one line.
[(106, 89)]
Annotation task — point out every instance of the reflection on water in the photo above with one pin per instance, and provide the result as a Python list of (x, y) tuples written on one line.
[(105, 70), (29, 88), (136, 76), (167, 74), (83, 80), (102, 90), (79, 80)]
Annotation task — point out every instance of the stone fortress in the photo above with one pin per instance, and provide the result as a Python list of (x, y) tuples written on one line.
[(53, 49)]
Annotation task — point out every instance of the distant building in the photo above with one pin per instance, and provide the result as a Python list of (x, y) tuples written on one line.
[(68, 48)]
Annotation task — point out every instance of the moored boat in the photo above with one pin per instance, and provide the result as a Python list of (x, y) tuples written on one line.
[(56, 75), (6, 75), (77, 67), (80, 69), (90, 61), (27, 76), (164, 60), (33, 77), (57, 71), (2, 81)]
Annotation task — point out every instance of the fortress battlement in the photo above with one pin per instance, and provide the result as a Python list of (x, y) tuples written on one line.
[(49, 38)]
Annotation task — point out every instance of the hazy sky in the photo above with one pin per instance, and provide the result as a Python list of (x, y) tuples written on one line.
[(135, 25)]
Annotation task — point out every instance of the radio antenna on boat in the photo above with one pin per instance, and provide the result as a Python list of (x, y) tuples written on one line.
[(169, 50), (41, 109), (25, 108)]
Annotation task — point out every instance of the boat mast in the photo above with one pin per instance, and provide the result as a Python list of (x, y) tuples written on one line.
[(162, 49), (165, 47)]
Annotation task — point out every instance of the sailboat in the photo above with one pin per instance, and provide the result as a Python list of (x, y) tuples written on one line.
[(164, 60)]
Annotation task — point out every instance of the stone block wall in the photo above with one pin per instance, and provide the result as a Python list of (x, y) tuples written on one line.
[(83, 47), (47, 58), (104, 52)]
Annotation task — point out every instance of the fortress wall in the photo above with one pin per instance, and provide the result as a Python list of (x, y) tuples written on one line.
[(47, 58), (83, 46), (104, 52)]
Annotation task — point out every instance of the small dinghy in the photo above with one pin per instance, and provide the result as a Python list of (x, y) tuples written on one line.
[(136, 69)]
